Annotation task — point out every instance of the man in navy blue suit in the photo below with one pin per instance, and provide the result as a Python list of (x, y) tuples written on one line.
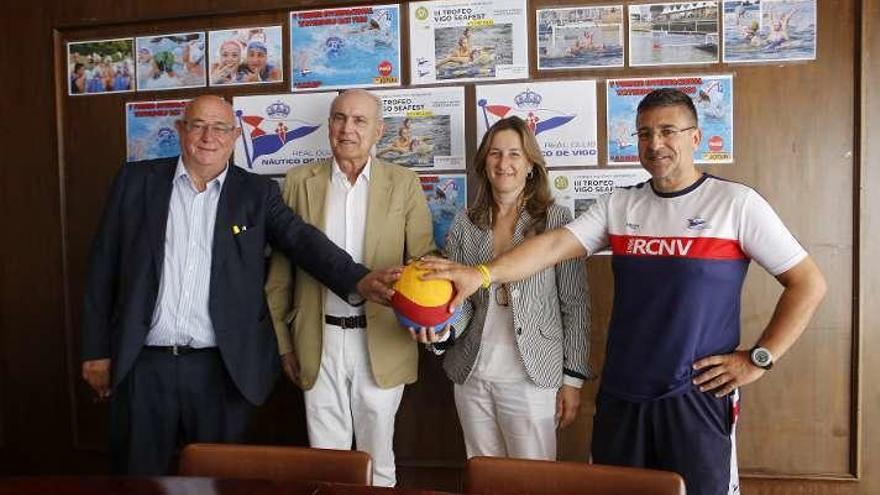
[(175, 323)]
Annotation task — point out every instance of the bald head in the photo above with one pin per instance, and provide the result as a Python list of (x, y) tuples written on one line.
[(207, 135), (362, 97)]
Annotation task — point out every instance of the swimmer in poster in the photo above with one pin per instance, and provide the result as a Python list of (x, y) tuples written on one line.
[(424, 129), (769, 30), (565, 127), (245, 56), (580, 38), (100, 66), (171, 61), (150, 131), (713, 99), (676, 33), (456, 41), (345, 47), (446, 195), (281, 131)]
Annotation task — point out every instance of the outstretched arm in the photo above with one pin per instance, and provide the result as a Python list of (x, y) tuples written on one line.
[(532, 256)]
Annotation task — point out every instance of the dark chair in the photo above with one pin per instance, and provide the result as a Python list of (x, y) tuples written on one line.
[(491, 475), (276, 463)]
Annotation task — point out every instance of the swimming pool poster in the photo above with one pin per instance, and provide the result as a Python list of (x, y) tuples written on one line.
[(713, 99), (675, 33), (424, 128), (281, 131), (769, 30), (245, 56), (479, 40), (565, 127), (446, 195), (171, 61), (580, 38), (150, 132), (345, 47), (578, 189)]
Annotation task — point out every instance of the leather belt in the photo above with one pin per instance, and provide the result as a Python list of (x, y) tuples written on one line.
[(359, 321), (178, 350)]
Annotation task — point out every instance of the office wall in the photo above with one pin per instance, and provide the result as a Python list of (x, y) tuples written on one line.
[(803, 141)]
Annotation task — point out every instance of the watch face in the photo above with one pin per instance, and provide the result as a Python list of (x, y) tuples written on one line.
[(761, 357)]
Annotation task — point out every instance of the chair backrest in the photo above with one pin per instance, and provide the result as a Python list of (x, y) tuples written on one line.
[(276, 463), (492, 475)]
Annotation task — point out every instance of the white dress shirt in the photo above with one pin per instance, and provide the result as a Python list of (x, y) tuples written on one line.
[(345, 222)]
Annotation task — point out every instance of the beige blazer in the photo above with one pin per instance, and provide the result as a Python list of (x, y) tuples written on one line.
[(398, 228)]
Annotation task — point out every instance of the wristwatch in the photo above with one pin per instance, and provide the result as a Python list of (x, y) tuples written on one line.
[(761, 357)]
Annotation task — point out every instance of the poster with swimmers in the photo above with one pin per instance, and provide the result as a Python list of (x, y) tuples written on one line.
[(461, 40), (345, 47), (578, 189), (104, 66), (424, 128), (281, 131), (769, 30), (171, 61), (245, 56), (713, 99), (150, 131), (580, 38), (565, 127), (675, 33), (446, 195)]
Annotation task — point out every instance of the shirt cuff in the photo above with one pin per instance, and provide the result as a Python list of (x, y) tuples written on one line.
[(572, 381)]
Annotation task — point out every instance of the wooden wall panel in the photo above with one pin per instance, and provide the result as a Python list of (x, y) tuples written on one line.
[(802, 134)]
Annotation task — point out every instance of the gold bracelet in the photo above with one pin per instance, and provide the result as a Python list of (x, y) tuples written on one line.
[(484, 274)]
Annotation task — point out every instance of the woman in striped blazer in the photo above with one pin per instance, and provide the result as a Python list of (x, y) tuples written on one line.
[(519, 356)]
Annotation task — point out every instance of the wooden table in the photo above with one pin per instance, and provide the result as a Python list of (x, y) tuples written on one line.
[(180, 485)]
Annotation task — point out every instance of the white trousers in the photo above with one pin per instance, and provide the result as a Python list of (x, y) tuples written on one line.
[(346, 401), (507, 419)]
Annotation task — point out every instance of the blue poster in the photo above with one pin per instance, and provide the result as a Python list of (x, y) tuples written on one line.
[(446, 195), (150, 131), (712, 96), (345, 47)]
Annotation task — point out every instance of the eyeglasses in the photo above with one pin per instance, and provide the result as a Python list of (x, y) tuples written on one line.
[(200, 126), (502, 295), (665, 133)]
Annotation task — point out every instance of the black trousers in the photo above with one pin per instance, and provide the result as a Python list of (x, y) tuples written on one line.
[(170, 400), (689, 434)]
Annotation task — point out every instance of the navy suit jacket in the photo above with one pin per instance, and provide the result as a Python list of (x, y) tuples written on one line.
[(125, 265)]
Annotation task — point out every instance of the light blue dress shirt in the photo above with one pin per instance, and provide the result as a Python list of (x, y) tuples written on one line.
[(181, 316)]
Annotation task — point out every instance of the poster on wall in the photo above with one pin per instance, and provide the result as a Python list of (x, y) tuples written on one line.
[(345, 47), (281, 131), (713, 99), (150, 130), (578, 189), (424, 128), (580, 38), (171, 61), (675, 33), (446, 195), (245, 56), (104, 66), (565, 127), (769, 30), (477, 40)]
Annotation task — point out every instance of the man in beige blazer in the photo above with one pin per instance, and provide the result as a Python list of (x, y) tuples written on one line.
[(352, 361)]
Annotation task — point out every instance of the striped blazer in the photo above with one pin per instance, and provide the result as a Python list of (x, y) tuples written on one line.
[(551, 309)]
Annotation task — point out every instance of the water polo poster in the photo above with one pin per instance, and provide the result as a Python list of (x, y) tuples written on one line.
[(150, 132)]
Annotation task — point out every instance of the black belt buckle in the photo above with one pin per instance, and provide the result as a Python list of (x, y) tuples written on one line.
[(346, 322)]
